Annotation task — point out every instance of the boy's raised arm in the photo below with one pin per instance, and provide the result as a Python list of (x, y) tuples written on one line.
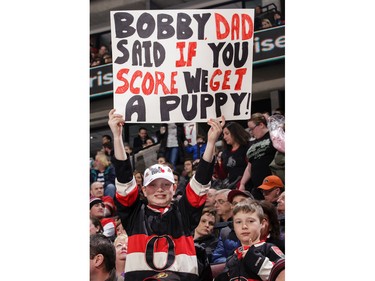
[(212, 136), (116, 123)]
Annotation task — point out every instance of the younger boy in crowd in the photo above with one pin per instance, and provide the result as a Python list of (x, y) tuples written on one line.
[(254, 259)]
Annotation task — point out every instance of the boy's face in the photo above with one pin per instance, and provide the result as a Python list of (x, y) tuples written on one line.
[(247, 227), (159, 192)]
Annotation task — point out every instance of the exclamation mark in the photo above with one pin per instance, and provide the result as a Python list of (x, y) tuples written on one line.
[(248, 104)]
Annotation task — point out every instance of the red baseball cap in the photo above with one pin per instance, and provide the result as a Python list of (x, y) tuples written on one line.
[(233, 193)]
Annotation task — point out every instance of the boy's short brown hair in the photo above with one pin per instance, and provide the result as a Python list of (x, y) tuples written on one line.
[(249, 206)]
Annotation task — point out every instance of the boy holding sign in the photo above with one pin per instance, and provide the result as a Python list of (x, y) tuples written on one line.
[(160, 231)]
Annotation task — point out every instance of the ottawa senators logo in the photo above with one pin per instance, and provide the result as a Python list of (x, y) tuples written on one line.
[(150, 252), (161, 275)]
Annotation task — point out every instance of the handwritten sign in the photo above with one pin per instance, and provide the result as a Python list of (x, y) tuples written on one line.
[(182, 66)]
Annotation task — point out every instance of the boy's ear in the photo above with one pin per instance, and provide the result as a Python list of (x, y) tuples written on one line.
[(263, 223)]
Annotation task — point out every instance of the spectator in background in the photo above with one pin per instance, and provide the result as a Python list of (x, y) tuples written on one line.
[(222, 206), (204, 232), (106, 139), (121, 247), (279, 110), (186, 174), (179, 182), (258, 17), (97, 211), (95, 226), (260, 154), (162, 160), (271, 188), (233, 158), (188, 171), (271, 230), (266, 23), (277, 19), (176, 176), (107, 148), (119, 228), (129, 151), (107, 58), (198, 149), (281, 213), (102, 259), (104, 172), (97, 190), (210, 201), (149, 142), (210, 204), (276, 127), (266, 114), (97, 61), (138, 176), (103, 50), (172, 138), (140, 140), (93, 53), (258, 10)]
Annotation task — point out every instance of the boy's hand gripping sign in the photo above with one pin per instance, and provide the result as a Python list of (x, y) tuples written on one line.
[(182, 65)]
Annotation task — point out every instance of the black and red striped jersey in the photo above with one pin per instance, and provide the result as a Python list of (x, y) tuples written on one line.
[(161, 239)]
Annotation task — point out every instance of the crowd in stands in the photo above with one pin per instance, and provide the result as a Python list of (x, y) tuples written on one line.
[(222, 198), (99, 56), (265, 17)]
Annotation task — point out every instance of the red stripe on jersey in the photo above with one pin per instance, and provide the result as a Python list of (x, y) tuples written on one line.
[(194, 199), (128, 199), (104, 221), (182, 245)]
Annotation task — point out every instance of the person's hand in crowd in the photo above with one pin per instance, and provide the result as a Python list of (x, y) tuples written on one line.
[(216, 128), (116, 123)]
